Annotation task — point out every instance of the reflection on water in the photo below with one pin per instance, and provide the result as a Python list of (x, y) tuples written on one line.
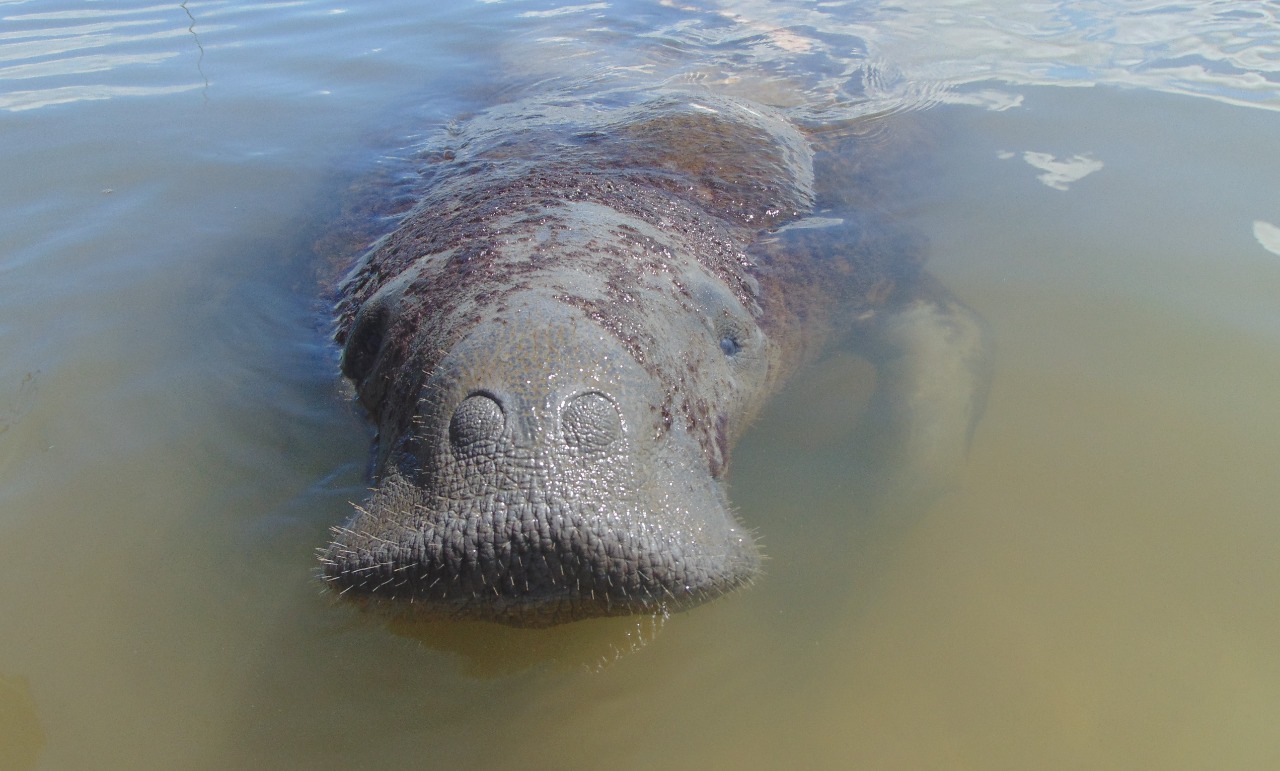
[(1268, 235), (1059, 173), (54, 50), (920, 48), (1098, 592), (846, 59)]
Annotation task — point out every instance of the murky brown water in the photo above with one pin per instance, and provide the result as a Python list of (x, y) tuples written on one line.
[(1102, 590)]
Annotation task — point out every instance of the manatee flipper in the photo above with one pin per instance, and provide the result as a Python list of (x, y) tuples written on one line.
[(933, 369)]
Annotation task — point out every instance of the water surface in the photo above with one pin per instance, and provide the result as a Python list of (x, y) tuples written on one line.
[(1100, 590)]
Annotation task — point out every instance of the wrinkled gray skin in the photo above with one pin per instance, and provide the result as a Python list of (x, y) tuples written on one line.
[(563, 340)]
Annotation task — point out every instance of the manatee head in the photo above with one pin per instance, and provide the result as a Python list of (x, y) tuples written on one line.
[(554, 422)]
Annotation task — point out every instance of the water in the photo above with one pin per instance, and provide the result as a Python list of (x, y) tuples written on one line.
[(1100, 591)]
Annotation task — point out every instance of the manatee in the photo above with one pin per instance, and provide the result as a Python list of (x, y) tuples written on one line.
[(563, 340)]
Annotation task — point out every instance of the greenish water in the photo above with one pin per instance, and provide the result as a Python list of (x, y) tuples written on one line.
[(1101, 590)]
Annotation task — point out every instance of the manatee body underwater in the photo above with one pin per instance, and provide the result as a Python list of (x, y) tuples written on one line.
[(562, 341)]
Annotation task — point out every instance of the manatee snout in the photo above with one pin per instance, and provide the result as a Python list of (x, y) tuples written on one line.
[(537, 482)]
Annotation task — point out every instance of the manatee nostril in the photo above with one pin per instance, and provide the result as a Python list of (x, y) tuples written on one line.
[(478, 419), (591, 422)]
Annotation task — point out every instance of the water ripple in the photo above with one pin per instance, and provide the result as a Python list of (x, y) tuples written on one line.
[(845, 58), (1225, 50), (95, 53), (825, 61)]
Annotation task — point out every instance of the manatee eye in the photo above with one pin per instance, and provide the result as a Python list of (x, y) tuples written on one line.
[(364, 341), (730, 345)]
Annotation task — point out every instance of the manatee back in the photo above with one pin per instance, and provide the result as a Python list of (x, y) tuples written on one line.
[(718, 169)]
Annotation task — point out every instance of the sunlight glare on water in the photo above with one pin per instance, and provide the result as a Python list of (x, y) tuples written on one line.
[(1097, 180)]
